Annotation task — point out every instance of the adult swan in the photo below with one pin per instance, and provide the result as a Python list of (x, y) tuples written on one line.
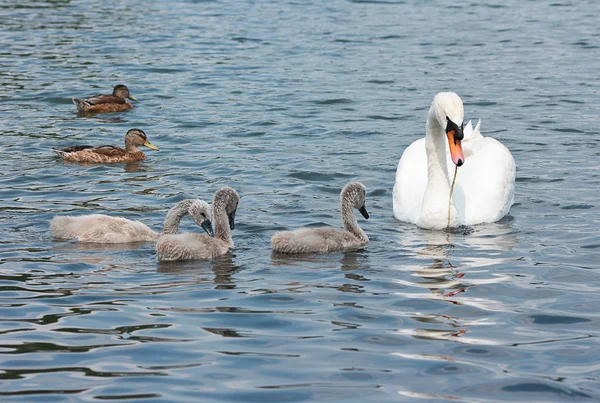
[(485, 182)]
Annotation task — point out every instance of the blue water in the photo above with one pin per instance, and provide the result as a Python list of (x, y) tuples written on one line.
[(287, 102)]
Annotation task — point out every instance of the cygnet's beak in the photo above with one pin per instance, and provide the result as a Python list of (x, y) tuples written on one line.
[(455, 135), (207, 226), (231, 217), (132, 97), (363, 211), (150, 145)]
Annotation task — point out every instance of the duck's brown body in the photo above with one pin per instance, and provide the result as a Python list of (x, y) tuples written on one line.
[(99, 155), (116, 102), (107, 104), (109, 154)]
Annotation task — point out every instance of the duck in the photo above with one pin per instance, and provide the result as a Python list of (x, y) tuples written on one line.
[(104, 103), (194, 246), (102, 228), (109, 154), (486, 170), (323, 240)]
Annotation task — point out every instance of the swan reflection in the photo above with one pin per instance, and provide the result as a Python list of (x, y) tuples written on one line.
[(94, 253), (222, 267), (448, 264), (351, 260)]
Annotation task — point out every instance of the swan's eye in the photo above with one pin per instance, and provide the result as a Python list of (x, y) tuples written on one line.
[(447, 119)]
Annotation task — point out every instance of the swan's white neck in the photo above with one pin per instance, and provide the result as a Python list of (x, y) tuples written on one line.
[(434, 209), (350, 222)]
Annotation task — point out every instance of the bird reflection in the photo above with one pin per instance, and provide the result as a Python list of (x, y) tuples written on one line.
[(222, 331), (282, 259), (441, 274), (222, 267), (98, 247), (78, 251), (116, 119), (445, 275), (348, 261), (354, 260), (138, 167)]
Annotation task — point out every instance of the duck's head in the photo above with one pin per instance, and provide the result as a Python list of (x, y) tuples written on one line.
[(200, 212), (122, 91), (355, 193), (449, 112), (137, 137)]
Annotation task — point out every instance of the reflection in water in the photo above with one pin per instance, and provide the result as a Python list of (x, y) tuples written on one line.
[(355, 260), (93, 253), (223, 332), (98, 247), (139, 167), (223, 268), (282, 259), (101, 119), (349, 261), (482, 243), (444, 275)]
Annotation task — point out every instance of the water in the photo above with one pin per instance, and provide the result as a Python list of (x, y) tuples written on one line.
[(287, 102)]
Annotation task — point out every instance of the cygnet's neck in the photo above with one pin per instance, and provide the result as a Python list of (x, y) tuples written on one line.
[(174, 217), (350, 222), (221, 222)]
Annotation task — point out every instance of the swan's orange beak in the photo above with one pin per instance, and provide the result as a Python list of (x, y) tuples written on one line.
[(455, 136)]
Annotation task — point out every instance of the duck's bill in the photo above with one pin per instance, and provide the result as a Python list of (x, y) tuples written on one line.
[(132, 97), (207, 226), (456, 151), (363, 211), (150, 145)]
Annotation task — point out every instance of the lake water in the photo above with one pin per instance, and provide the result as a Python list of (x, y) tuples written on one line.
[(287, 102)]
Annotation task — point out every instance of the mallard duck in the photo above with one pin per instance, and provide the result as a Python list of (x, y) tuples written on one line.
[(109, 154), (101, 228), (103, 103), (320, 240), (193, 246)]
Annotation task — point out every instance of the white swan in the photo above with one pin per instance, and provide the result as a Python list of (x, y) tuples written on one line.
[(319, 240), (193, 246), (101, 228), (485, 182)]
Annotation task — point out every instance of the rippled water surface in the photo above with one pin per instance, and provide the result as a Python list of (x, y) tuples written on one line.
[(287, 102)]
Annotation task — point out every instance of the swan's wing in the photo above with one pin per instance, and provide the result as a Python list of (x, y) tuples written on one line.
[(477, 130), (485, 184), (411, 181), (468, 131), (470, 137)]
